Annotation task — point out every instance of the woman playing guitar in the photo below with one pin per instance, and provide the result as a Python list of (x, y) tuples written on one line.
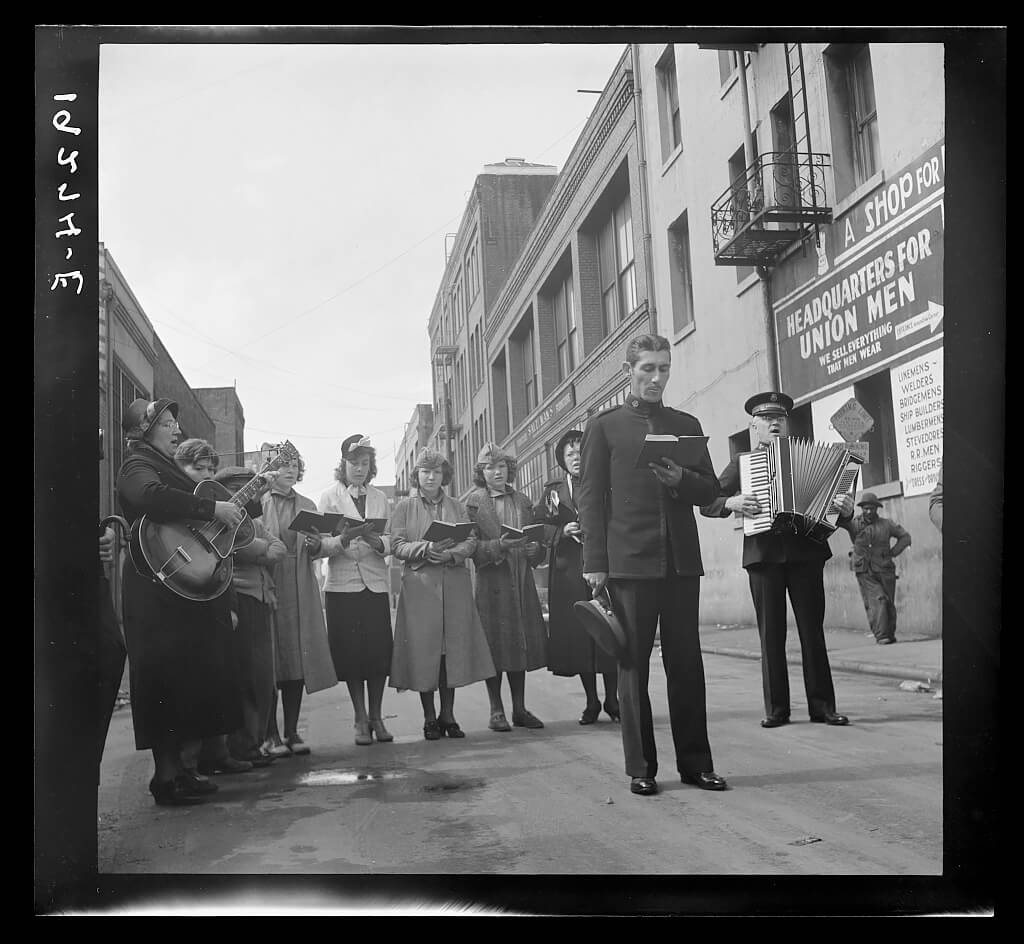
[(181, 679)]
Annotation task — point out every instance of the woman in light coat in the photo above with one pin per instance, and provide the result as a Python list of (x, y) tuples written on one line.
[(506, 595), (356, 590), (439, 641), (303, 656)]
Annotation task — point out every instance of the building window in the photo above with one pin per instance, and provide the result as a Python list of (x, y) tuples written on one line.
[(852, 116), (785, 169), (728, 63), (529, 369), (567, 337), (741, 197), (615, 266), (681, 273), (875, 395), (530, 476), (668, 103), (126, 390)]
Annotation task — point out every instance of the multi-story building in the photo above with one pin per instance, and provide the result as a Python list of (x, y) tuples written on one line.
[(224, 407), (169, 382), (556, 333), (796, 204), (417, 435), (506, 200)]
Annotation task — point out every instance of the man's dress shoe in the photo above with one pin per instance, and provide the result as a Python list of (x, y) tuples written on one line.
[(643, 786), (830, 717), (774, 722), (708, 780)]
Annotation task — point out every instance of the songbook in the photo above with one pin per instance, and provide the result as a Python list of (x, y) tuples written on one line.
[(686, 451), (441, 530), (532, 532), (311, 522), (377, 525)]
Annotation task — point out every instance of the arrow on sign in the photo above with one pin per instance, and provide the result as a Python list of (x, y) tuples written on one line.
[(929, 318)]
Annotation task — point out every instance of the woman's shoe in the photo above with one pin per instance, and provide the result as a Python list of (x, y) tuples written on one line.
[(451, 729), (379, 731), (272, 748), (526, 719), (196, 784), (296, 745), (173, 793), (363, 735), (611, 709), (432, 730), (499, 722), (590, 714)]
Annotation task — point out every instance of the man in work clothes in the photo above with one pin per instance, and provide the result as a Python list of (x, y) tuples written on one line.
[(640, 538), (777, 564), (873, 552)]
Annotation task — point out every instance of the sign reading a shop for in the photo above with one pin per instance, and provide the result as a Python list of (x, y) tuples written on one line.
[(880, 299), (541, 420), (917, 409)]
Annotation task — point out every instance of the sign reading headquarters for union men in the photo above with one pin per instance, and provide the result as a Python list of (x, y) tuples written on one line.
[(877, 298)]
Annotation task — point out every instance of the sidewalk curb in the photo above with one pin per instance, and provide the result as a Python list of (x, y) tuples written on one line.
[(839, 665)]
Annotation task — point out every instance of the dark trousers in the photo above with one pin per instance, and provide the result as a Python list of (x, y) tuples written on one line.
[(640, 604), (254, 649), (769, 584), (878, 591)]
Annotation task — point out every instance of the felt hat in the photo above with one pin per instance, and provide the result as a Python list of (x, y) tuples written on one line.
[(869, 498), (142, 414), (568, 436)]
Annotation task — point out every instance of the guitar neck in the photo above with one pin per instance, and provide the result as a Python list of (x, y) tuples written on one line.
[(248, 492)]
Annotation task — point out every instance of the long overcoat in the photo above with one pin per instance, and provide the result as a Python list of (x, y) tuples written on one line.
[(506, 594), (184, 683), (436, 611), (570, 650), (300, 635)]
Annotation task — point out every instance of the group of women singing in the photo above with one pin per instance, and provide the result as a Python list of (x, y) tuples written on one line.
[(205, 674)]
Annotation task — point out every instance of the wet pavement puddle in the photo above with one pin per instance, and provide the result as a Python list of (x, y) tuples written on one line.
[(333, 778)]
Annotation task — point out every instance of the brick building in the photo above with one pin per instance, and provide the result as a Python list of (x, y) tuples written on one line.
[(225, 409), (578, 291), (506, 200), (797, 228)]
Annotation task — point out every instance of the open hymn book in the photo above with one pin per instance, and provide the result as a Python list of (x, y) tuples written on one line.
[(686, 451)]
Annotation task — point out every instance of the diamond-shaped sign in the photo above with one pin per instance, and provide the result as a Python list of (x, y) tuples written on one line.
[(851, 420)]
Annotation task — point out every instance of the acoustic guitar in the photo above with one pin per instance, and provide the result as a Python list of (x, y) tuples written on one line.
[(191, 557)]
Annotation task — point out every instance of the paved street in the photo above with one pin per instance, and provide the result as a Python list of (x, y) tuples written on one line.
[(869, 796)]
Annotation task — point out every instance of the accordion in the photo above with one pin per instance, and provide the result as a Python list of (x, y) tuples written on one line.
[(795, 482)]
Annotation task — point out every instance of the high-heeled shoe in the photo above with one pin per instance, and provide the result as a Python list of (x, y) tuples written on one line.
[(379, 731), (451, 729), (612, 710), (173, 793), (590, 714), (363, 735)]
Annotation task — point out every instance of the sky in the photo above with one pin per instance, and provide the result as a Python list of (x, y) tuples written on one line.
[(280, 211)]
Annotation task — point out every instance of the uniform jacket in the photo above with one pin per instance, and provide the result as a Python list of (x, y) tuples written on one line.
[(872, 550), (350, 569), (626, 514), (765, 548)]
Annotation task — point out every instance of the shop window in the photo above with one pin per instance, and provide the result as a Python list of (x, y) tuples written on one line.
[(852, 115), (875, 395)]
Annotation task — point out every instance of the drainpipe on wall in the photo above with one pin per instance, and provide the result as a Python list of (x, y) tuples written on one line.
[(763, 273), (652, 311)]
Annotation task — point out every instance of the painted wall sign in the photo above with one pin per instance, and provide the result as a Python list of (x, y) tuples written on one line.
[(565, 402), (880, 298), (917, 407)]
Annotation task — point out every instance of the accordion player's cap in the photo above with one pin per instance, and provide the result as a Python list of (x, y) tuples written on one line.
[(769, 403)]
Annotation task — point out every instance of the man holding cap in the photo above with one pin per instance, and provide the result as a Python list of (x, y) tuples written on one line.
[(777, 564), (873, 552)]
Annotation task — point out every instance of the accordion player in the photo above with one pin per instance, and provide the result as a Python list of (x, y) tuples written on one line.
[(796, 482)]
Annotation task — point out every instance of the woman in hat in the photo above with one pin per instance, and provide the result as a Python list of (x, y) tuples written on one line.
[(357, 587), (439, 641), (303, 656), (506, 594), (571, 651), (179, 651)]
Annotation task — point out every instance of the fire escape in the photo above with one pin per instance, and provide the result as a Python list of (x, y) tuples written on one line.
[(779, 199), (443, 360)]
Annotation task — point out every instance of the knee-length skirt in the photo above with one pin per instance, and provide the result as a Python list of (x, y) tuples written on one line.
[(359, 634)]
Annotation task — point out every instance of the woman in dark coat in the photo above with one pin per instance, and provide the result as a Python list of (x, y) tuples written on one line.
[(180, 657), (570, 650), (506, 595)]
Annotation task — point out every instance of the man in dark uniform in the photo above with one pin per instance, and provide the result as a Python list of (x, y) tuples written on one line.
[(873, 552), (775, 564), (640, 539)]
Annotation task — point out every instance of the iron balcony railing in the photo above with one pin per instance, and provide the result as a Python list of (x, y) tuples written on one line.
[(780, 187)]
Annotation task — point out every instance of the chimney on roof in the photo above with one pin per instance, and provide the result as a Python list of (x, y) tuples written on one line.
[(516, 161)]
